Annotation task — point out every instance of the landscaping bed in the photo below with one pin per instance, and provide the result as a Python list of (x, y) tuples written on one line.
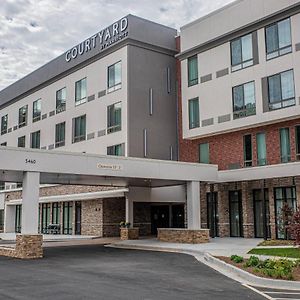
[(273, 269), (282, 252), (277, 243)]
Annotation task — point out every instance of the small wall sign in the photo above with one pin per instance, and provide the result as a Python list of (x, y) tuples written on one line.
[(109, 167)]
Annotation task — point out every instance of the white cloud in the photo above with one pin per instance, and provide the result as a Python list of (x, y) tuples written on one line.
[(32, 32)]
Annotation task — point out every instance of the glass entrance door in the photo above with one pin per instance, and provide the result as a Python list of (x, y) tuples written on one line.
[(178, 216), (67, 218), (235, 212), (259, 213), (78, 218), (159, 217), (212, 214), (18, 218)]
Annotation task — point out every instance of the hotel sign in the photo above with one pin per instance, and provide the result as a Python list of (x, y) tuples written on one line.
[(102, 40)]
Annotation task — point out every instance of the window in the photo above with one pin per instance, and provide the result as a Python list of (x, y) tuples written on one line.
[(56, 213), (23, 116), (80, 91), (114, 118), (116, 150), (242, 53), (248, 150), (114, 80), (67, 218), (192, 70), (3, 144), (35, 140), (61, 98), (261, 149), (297, 134), (4, 124), (194, 119), (60, 130), (281, 90), (285, 197), (79, 129), (204, 153), (1, 219), (285, 147), (36, 110), (2, 185), (279, 39), (244, 100), (21, 141)]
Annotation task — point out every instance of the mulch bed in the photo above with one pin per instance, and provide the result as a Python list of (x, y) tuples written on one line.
[(296, 271)]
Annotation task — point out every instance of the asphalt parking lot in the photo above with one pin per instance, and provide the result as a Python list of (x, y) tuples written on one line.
[(97, 272)]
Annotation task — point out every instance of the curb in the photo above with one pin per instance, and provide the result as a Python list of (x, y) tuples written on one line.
[(220, 266)]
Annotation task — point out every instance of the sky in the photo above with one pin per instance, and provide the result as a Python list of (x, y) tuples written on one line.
[(33, 32)]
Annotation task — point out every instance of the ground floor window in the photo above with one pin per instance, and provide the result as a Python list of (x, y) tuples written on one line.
[(259, 210), (1, 219), (285, 203), (45, 217), (212, 213), (78, 217), (18, 218), (236, 214), (67, 217)]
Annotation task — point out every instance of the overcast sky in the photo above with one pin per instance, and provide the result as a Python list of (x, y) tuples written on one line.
[(32, 32)]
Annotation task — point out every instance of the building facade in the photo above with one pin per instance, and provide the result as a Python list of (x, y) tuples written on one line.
[(112, 94), (239, 73)]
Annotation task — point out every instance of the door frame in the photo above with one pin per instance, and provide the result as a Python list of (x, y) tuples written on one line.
[(240, 207)]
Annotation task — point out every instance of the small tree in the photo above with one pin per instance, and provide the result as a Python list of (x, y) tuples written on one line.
[(294, 227), (284, 218)]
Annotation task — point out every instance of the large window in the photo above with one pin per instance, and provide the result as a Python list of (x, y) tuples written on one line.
[(23, 116), (194, 118), (4, 124), (192, 70), (242, 53), (80, 91), (115, 150), (60, 133), (204, 153), (61, 98), (244, 100), (281, 90), (297, 134), (285, 199), (261, 149), (67, 218), (56, 213), (248, 150), (35, 141), (285, 147), (46, 209), (114, 74), (114, 118), (279, 39), (21, 141), (36, 110), (79, 129)]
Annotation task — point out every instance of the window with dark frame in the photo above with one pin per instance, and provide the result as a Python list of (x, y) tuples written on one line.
[(79, 129), (35, 141), (23, 116), (278, 38), (80, 91), (242, 52), (116, 150), (192, 70), (60, 134), (247, 150), (114, 77), (281, 90), (244, 103), (61, 98), (204, 153), (194, 113), (297, 135), (261, 149), (36, 110), (21, 141), (114, 117), (285, 145), (4, 124)]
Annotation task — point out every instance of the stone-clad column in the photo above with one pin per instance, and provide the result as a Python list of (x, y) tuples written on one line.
[(193, 205)]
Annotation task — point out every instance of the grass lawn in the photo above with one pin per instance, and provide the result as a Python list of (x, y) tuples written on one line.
[(284, 252)]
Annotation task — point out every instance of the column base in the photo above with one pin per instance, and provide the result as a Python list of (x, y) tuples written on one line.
[(129, 233), (181, 235), (27, 247)]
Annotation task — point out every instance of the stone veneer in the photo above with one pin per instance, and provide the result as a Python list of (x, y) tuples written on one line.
[(129, 233), (177, 235), (27, 247)]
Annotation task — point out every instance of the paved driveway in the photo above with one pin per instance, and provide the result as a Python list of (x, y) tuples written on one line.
[(96, 272)]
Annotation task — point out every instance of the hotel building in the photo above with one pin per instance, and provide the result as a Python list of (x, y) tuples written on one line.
[(239, 74)]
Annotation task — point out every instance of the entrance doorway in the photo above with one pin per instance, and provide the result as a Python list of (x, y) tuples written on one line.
[(78, 218), (159, 217), (212, 214), (236, 215), (177, 216)]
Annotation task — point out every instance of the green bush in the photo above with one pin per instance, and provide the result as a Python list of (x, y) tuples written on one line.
[(253, 261), (237, 259)]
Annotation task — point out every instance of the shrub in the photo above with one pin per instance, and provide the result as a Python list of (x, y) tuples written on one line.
[(294, 227), (237, 259), (253, 261)]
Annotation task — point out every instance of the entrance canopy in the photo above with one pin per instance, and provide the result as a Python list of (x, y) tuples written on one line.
[(73, 168)]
